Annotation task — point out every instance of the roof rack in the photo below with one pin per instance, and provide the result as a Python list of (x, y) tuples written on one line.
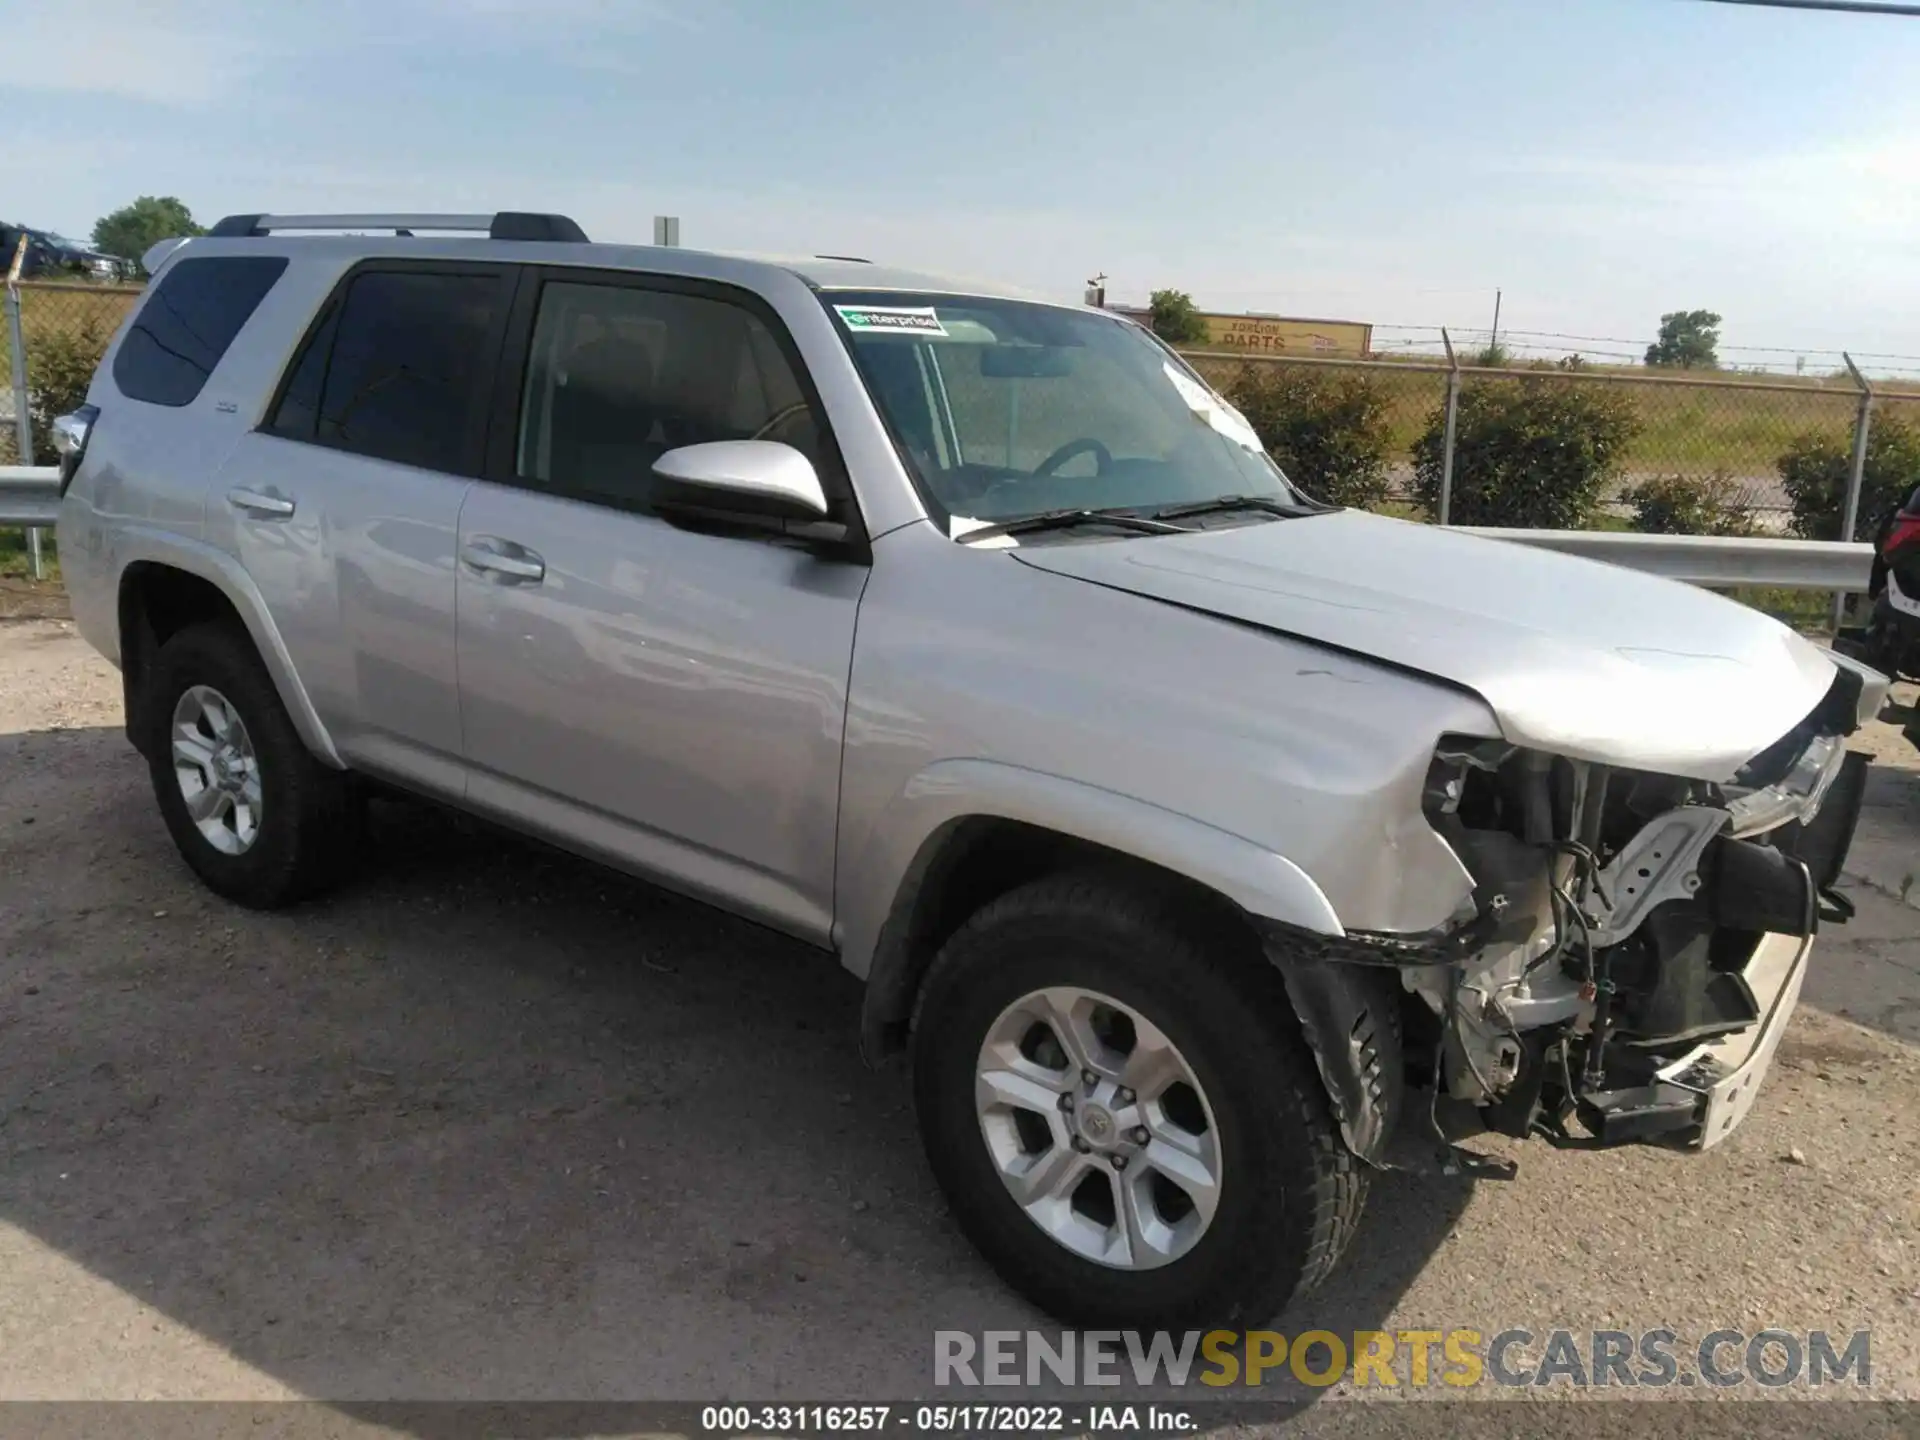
[(505, 225)]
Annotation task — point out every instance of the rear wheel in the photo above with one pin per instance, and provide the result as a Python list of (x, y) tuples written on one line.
[(258, 819), (1123, 1114)]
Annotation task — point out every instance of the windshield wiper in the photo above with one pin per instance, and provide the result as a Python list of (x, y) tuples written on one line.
[(1067, 519), (1221, 504)]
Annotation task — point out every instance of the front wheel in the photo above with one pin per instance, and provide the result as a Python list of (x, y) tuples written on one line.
[(1120, 1107)]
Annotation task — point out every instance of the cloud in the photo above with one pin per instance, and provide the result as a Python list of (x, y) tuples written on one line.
[(1846, 191), (595, 14), (581, 34), (200, 52), (187, 54), (111, 48)]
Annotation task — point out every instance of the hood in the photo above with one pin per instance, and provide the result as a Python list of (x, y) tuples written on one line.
[(1573, 656)]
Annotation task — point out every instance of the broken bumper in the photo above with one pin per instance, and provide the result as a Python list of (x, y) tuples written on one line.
[(1725, 1076), (1696, 1101)]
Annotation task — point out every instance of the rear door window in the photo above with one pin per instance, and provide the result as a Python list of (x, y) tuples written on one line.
[(407, 353), (187, 324), (299, 406)]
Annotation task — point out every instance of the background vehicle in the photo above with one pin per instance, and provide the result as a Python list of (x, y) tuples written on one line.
[(1892, 639), (1209, 847), (48, 254), (43, 254)]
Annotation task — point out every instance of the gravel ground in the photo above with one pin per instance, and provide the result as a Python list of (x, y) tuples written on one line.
[(492, 1123)]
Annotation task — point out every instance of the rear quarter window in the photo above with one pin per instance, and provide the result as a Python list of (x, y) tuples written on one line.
[(187, 323)]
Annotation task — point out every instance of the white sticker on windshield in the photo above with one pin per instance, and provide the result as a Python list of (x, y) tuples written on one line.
[(891, 320), (1216, 412)]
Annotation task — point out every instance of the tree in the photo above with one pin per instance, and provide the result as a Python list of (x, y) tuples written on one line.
[(1816, 467), (1535, 453), (1690, 505), (1174, 318), (60, 366), (1329, 431), (1688, 340), (132, 230)]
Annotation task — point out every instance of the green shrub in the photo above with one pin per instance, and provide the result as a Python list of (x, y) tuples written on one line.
[(60, 366), (1690, 505), (1327, 429), (1528, 453), (1175, 318), (1816, 466)]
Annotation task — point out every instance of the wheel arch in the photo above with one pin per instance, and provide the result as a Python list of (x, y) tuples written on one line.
[(169, 582), (963, 832)]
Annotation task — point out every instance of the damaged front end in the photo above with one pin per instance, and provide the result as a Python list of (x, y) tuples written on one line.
[(1623, 968)]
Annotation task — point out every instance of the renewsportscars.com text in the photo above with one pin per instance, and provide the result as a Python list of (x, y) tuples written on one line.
[(1459, 1358)]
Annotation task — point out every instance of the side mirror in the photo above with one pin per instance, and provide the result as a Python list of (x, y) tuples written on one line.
[(738, 480)]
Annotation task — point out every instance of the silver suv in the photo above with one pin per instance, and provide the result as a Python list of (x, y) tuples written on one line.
[(1210, 848)]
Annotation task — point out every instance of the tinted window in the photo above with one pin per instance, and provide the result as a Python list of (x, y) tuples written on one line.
[(299, 403), (617, 376), (408, 350), (187, 324)]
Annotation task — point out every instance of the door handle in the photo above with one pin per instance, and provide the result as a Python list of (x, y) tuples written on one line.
[(494, 557), (258, 503)]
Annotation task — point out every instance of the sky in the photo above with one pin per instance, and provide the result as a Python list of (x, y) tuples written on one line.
[(1600, 162)]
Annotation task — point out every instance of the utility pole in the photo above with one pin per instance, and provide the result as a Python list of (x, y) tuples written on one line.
[(1494, 343)]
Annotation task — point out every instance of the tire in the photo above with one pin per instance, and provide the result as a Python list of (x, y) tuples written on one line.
[(1880, 646), (305, 816), (1289, 1193)]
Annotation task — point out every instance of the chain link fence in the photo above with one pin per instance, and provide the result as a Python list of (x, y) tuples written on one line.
[(1551, 445), (59, 327), (54, 334), (1559, 447)]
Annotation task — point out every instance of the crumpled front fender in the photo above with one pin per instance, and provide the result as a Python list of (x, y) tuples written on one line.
[(1350, 1015)]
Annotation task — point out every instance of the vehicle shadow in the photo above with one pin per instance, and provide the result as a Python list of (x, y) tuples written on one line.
[(1868, 970), (490, 1124), (1899, 713)]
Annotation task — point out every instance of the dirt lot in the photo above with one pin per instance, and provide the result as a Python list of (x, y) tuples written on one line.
[(495, 1124)]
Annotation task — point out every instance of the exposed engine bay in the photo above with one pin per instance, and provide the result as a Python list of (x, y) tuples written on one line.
[(1621, 972)]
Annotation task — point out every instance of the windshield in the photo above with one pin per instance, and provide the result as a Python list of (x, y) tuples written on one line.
[(1008, 409)]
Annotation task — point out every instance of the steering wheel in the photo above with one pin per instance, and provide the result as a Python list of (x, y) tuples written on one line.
[(1102, 457)]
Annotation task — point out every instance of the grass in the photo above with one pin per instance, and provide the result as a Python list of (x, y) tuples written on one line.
[(1808, 611), (1686, 427), (16, 560), (62, 308), (49, 306)]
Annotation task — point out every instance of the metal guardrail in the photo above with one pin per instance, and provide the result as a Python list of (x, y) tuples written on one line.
[(1712, 559), (29, 495)]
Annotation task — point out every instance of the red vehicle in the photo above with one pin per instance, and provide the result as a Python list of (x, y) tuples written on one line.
[(1891, 643)]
